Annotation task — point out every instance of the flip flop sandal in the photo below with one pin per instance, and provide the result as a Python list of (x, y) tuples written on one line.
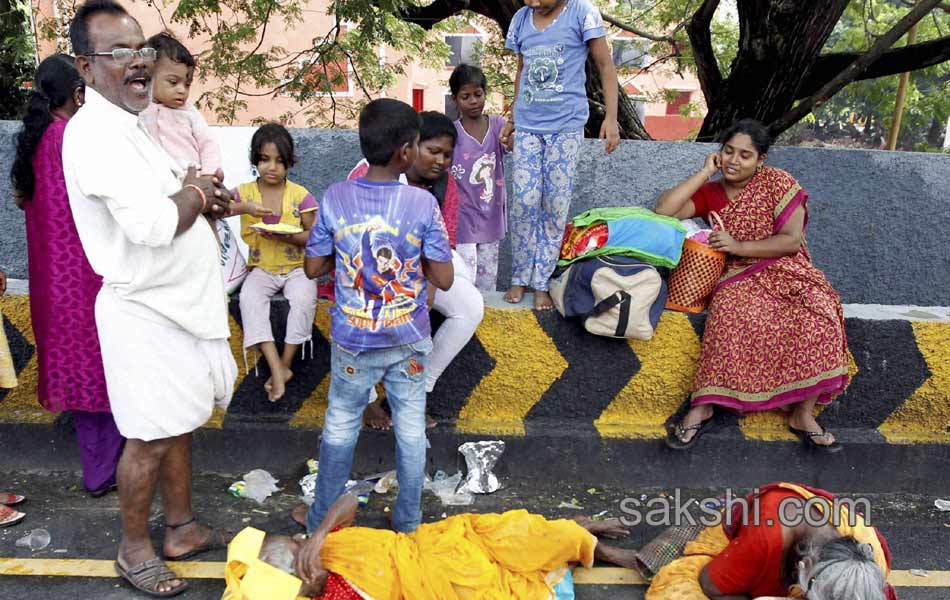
[(147, 576), (676, 432), (217, 540), (808, 438), (108, 489), (8, 516), (11, 499)]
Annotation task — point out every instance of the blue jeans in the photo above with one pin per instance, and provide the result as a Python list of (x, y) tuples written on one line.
[(353, 374)]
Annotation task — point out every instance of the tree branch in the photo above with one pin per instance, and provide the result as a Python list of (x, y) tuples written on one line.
[(638, 32), (945, 6), (892, 62), (427, 16), (700, 37), (855, 69)]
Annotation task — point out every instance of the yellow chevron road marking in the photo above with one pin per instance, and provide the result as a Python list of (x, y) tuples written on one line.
[(526, 364), (65, 567), (661, 385), (925, 416), (20, 404), (772, 425), (313, 409)]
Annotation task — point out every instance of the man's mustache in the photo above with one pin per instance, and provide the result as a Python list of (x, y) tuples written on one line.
[(139, 74)]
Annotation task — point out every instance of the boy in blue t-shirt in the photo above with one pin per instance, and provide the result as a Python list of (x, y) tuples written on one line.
[(385, 240)]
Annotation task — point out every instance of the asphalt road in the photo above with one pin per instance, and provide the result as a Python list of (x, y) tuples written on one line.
[(85, 528)]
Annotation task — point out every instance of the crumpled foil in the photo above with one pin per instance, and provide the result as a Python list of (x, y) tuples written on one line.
[(480, 458)]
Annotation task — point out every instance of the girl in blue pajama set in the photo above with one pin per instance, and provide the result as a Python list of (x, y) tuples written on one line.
[(552, 39)]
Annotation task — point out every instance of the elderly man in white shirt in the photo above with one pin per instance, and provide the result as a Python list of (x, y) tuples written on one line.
[(161, 313)]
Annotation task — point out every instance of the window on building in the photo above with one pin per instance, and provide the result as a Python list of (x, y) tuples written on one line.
[(681, 99), (451, 109), (419, 100), (462, 49), (627, 54), (325, 77)]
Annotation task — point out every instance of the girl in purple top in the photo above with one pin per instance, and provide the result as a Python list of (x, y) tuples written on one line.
[(479, 169), (63, 287)]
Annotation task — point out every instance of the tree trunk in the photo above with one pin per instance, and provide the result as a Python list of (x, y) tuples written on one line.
[(779, 42), (627, 118), (935, 132)]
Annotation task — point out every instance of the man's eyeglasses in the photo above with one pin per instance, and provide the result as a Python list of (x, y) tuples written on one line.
[(124, 56)]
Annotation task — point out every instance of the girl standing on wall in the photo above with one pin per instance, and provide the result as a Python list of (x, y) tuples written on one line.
[(552, 39)]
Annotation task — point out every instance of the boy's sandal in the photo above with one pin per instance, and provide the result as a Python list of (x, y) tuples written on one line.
[(675, 434), (808, 437), (216, 540), (148, 575), (11, 499), (8, 516)]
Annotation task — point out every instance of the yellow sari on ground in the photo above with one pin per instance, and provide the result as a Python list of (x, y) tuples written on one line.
[(463, 557), (680, 578), (491, 556)]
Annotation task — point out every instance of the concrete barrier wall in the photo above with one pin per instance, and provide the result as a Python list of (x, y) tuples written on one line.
[(877, 224), (576, 383)]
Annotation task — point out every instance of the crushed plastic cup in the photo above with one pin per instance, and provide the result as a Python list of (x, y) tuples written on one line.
[(259, 485), (942, 505), (480, 458), (361, 488), (387, 482), (449, 489), (36, 540)]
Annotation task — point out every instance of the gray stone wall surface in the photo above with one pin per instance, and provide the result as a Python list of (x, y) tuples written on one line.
[(877, 225)]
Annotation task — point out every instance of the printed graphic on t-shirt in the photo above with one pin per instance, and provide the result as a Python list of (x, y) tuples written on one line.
[(483, 174), (386, 283), (543, 70)]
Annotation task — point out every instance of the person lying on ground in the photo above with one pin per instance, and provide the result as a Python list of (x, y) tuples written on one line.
[(777, 549), (511, 555)]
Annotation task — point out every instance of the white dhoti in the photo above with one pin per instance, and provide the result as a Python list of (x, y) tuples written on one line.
[(162, 380)]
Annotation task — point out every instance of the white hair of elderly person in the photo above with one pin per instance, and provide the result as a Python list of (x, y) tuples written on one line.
[(841, 569)]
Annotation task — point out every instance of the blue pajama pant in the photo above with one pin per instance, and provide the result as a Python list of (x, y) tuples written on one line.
[(544, 166)]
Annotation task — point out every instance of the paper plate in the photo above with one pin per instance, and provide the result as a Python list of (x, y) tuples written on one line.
[(277, 228)]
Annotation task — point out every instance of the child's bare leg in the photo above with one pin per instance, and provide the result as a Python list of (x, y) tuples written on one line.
[(275, 384), (514, 294), (543, 300), (287, 356), (375, 416)]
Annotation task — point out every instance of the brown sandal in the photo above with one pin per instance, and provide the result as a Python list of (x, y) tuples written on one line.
[(148, 575), (216, 540)]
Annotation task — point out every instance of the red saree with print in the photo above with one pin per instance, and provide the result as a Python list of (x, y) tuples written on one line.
[(775, 329)]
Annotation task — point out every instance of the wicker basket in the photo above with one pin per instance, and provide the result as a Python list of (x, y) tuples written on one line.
[(695, 277)]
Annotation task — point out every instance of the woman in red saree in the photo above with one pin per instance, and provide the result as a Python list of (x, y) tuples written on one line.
[(774, 333)]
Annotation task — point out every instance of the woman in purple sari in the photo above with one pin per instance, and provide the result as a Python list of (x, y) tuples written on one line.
[(63, 286)]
